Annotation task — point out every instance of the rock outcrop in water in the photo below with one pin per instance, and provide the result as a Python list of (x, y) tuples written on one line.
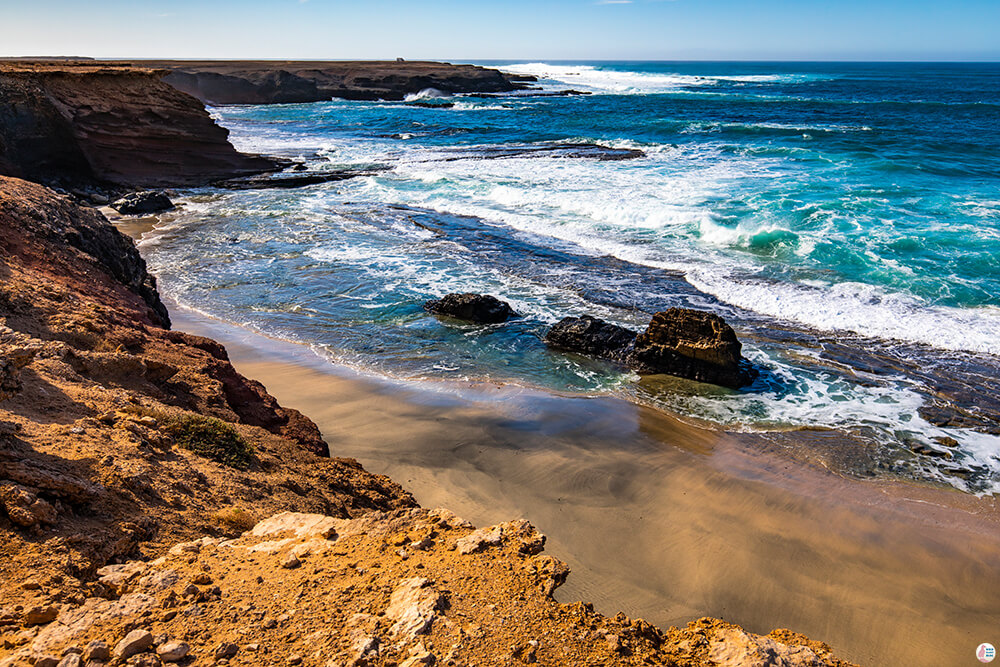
[(678, 341), (565, 150), (140, 203), (479, 308), (85, 123), (691, 344), (592, 337)]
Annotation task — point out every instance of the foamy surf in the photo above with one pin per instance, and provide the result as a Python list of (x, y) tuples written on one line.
[(800, 217), (594, 78)]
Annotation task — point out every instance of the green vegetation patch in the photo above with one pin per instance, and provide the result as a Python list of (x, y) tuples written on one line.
[(210, 437)]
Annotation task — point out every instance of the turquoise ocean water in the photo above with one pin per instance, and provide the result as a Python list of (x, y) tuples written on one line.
[(845, 218)]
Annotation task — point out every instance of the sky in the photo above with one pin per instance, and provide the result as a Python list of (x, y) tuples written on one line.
[(509, 30)]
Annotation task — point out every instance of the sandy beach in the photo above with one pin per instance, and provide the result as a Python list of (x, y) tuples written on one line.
[(663, 520)]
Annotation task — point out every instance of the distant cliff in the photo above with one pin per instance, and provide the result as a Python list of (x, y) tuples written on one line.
[(69, 124), (282, 82)]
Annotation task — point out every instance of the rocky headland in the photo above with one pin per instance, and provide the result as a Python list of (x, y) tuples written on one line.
[(157, 507), (285, 82), (79, 125)]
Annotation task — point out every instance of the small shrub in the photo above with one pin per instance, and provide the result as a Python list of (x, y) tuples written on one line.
[(210, 437), (234, 520)]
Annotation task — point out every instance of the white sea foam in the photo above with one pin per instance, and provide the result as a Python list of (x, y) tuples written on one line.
[(660, 220), (859, 308), (425, 94), (596, 79)]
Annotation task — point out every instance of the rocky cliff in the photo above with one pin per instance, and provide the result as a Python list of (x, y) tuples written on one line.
[(271, 82), (83, 124)]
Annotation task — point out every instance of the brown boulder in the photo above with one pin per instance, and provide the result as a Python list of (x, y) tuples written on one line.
[(691, 344)]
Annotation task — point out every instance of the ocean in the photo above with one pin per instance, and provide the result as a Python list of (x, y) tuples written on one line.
[(844, 218)]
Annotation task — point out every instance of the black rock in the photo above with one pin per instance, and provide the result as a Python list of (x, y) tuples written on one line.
[(297, 180), (479, 308), (687, 343), (591, 336), (138, 203)]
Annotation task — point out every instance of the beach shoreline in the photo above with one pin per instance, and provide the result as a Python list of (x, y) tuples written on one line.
[(660, 519)]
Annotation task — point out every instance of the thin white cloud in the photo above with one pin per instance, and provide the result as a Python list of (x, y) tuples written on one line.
[(613, 2)]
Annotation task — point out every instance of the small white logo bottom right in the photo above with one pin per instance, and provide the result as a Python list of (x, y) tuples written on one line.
[(986, 652)]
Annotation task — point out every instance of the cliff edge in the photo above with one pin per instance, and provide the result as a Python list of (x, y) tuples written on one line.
[(79, 124)]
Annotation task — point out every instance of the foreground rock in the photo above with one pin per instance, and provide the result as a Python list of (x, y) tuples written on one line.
[(387, 588), (687, 343), (479, 308), (140, 203), (76, 124)]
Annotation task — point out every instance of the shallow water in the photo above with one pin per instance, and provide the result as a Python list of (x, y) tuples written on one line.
[(844, 218)]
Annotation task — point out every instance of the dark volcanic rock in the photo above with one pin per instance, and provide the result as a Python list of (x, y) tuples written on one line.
[(138, 203), (591, 336), (682, 342), (691, 344), (480, 308), (298, 180), (560, 150)]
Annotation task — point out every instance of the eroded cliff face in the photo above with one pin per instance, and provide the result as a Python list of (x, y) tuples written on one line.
[(105, 413), (83, 124)]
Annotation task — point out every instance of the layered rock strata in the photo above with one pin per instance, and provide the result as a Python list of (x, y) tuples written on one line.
[(76, 125)]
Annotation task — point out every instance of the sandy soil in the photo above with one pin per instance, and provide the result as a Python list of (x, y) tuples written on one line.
[(663, 520)]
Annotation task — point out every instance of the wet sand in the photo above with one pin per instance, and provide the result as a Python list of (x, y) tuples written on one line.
[(663, 520)]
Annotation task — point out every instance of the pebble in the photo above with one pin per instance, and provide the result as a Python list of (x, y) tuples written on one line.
[(97, 651), (40, 615), (134, 642), (226, 650), (173, 651)]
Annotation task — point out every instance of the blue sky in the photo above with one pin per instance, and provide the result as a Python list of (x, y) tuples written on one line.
[(515, 29)]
